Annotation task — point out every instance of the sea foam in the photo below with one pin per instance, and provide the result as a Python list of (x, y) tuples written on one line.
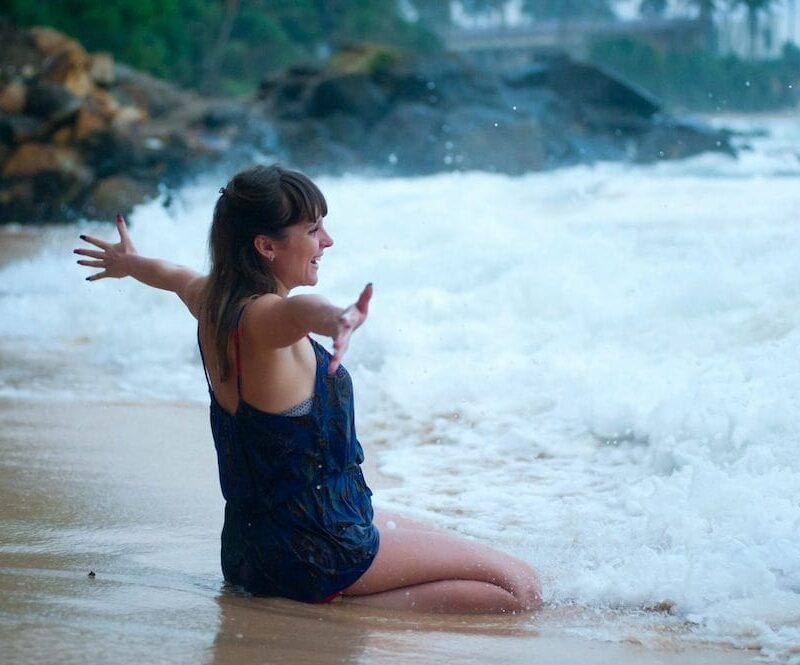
[(594, 368)]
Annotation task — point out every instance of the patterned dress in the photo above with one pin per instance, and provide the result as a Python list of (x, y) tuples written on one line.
[(298, 514)]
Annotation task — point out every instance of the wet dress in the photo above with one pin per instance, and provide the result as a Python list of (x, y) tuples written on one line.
[(298, 514)]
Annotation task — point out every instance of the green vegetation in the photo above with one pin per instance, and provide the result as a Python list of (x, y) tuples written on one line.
[(701, 81), (223, 46)]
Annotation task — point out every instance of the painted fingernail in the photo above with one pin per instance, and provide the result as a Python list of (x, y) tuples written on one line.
[(120, 219), (87, 279), (82, 237)]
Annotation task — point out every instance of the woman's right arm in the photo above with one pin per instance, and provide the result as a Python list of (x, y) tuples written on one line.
[(121, 260)]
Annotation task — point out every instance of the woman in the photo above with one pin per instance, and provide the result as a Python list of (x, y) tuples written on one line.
[(298, 517)]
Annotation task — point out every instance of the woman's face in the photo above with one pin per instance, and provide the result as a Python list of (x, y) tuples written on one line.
[(296, 258)]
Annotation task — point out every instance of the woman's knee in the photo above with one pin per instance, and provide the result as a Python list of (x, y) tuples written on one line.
[(525, 585)]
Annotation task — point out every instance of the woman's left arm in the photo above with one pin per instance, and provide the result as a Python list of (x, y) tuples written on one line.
[(121, 260)]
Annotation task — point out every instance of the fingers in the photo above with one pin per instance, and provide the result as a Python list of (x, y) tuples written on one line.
[(122, 228), (96, 242), (340, 344), (96, 276), (89, 252), (363, 300), (92, 264)]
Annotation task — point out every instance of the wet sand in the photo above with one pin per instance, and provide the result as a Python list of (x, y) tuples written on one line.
[(130, 492)]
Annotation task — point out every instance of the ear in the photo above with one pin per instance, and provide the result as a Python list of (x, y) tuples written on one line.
[(265, 246)]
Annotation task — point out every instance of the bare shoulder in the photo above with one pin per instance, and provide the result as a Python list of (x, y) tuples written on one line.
[(192, 291), (270, 317)]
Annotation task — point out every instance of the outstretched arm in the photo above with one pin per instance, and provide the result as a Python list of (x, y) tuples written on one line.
[(282, 321), (121, 260)]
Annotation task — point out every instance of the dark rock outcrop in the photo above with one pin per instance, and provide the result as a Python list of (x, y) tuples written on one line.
[(83, 136), (389, 113)]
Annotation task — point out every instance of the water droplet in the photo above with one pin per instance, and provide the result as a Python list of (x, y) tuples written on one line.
[(390, 524), (495, 124), (747, 84), (392, 158), (319, 487), (513, 108)]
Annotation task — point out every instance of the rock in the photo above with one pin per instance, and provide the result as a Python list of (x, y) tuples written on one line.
[(62, 136), (51, 101), (15, 129), (18, 52), (51, 42), (69, 70), (137, 89), (31, 159), (112, 152), (87, 123), (486, 140), (102, 103), (408, 141), (13, 96), (128, 115), (101, 68), (116, 194), (355, 94), (674, 139), (42, 182)]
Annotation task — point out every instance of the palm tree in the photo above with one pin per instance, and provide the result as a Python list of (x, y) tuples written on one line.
[(653, 7), (755, 8), (705, 14), (566, 9)]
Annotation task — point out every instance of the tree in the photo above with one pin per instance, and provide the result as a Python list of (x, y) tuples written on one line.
[(433, 13), (478, 7), (213, 60), (564, 10), (653, 7), (755, 8)]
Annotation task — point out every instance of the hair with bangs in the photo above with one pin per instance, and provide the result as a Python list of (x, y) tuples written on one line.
[(262, 200)]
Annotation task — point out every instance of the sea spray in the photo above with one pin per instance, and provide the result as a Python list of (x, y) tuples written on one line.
[(595, 368)]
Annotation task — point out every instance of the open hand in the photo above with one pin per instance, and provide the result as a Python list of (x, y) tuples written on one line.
[(112, 258), (350, 319)]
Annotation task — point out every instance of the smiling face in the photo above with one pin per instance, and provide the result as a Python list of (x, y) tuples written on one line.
[(294, 259)]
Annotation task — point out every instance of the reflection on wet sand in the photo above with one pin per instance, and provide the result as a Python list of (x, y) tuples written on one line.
[(130, 492)]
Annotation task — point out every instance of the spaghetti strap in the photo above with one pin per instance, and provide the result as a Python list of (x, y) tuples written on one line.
[(203, 360), (236, 345)]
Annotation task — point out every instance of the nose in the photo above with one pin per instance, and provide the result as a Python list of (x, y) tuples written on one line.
[(327, 240)]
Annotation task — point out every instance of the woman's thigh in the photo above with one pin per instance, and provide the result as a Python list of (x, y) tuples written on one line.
[(412, 556), (386, 519)]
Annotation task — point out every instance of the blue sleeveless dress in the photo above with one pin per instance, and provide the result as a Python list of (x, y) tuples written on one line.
[(298, 514)]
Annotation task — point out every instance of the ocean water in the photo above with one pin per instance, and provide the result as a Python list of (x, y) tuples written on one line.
[(597, 369)]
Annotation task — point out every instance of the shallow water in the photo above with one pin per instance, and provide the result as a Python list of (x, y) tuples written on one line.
[(596, 369)]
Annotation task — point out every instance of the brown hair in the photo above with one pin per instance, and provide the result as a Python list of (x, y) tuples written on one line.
[(262, 200)]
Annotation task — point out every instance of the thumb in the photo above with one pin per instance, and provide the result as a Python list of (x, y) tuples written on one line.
[(362, 304), (122, 229)]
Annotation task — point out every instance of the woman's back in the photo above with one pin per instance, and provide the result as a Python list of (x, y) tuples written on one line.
[(271, 379), (298, 517)]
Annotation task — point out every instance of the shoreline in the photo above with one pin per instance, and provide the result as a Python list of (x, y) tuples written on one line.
[(130, 492)]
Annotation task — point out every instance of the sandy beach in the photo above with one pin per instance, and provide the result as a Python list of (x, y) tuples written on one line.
[(129, 492)]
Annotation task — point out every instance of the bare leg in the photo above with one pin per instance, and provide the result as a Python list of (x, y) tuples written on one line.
[(385, 520), (433, 571)]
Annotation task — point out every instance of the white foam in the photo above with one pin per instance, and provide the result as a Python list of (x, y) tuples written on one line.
[(595, 368)]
